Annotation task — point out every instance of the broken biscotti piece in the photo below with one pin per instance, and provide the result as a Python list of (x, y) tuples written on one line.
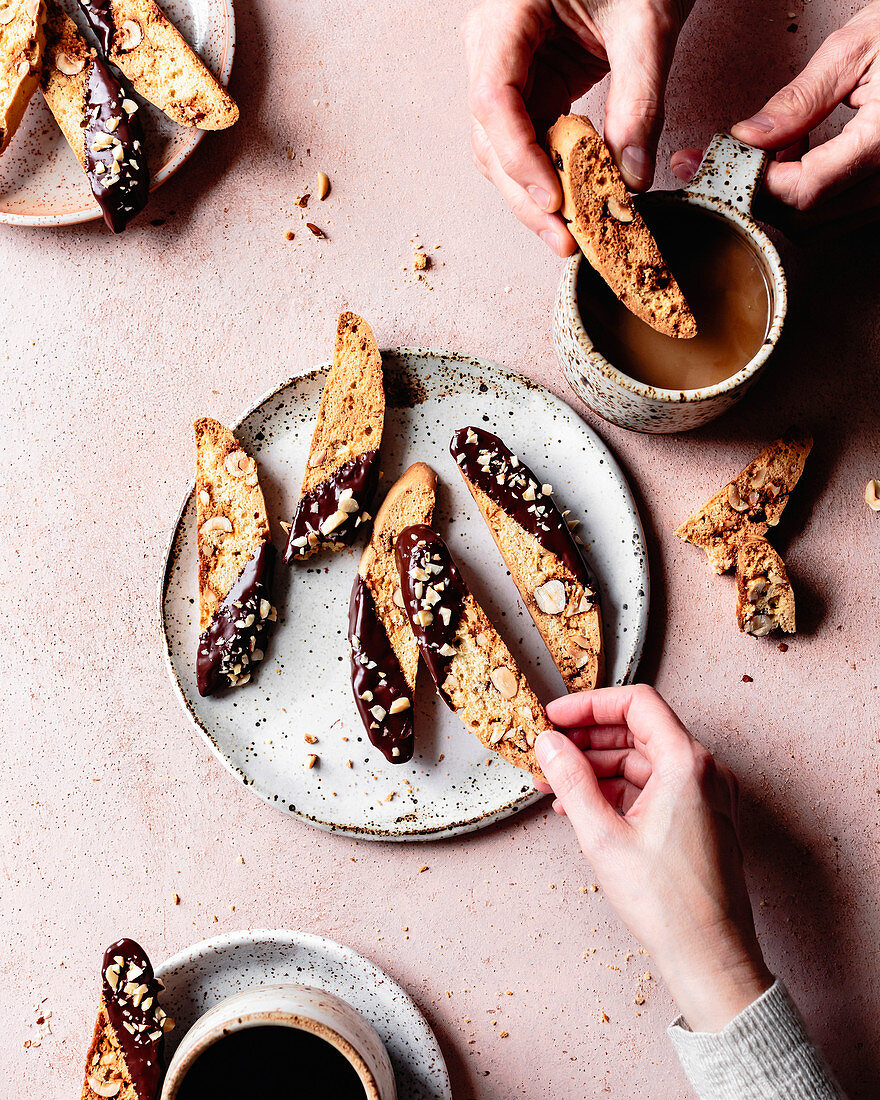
[(137, 37), (610, 231), (21, 52), (99, 119), (342, 471), (751, 503), (384, 653), (764, 596), (473, 669), (236, 560), (125, 1058)]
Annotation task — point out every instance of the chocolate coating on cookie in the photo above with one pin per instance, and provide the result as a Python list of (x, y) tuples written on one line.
[(130, 991), (99, 15), (490, 465), (433, 597), (330, 515), (236, 637), (381, 692)]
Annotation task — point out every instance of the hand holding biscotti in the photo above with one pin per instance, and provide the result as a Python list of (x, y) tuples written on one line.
[(655, 815), (529, 60)]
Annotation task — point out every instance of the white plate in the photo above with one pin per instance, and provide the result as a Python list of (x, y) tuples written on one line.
[(41, 181), (452, 785), (208, 972)]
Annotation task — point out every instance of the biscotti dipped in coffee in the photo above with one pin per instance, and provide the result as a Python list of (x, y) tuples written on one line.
[(749, 504), (21, 54), (764, 596), (125, 1059), (384, 653), (236, 560), (342, 470), (99, 119), (138, 38), (610, 231), (473, 669), (557, 587)]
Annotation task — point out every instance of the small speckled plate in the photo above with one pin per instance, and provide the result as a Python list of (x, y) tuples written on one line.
[(206, 973), (452, 785), (41, 181)]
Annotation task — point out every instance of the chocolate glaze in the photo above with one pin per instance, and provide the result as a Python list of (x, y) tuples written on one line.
[(100, 18), (143, 1046), (238, 631), (423, 562), (541, 517), (376, 672), (120, 194), (361, 476)]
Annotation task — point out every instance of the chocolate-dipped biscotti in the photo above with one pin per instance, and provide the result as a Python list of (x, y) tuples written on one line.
[(136, 36), (125, 1057), (99, 119), (556, 585), (384, 653), (749, 504), (342, 471), (473, 669), (610, 231), (21, 53), (236, 560), (764, 596)]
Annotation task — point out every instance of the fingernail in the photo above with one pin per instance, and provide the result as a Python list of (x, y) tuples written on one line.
[(550, 238), (540, 196), (684, 171), (636, 164), (548, 746), (761, 122)]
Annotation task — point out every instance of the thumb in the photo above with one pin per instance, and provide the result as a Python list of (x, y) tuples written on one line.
[(574, 783)]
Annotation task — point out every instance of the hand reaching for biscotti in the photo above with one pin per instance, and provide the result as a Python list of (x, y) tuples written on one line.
[(655, 815)]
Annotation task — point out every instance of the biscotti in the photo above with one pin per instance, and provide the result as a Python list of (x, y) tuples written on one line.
[(610, 231), (384, 653), (473, 669), (749, 504), (342, 471), (236, 560), (764, 596), (99, 119), (21, 53), (136, 36), (559, 590), (125, 1059)]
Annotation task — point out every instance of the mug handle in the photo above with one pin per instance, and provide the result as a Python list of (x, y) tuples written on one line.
[(730, 172)]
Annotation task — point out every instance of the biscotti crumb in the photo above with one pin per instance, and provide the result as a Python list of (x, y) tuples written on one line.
[(311, 760), (421, 262)]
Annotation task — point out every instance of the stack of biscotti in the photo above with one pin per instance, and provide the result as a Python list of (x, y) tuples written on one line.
[(125, 1059), (236, 560), (730, 528), (610, 231), (21, 55)]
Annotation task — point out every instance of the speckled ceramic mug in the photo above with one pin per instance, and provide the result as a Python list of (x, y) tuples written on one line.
[(725, 184), (296, 1006)]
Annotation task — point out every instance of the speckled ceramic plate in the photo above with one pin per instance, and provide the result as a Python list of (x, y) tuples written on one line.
[(208, 972), (452, 785), (41, 182)]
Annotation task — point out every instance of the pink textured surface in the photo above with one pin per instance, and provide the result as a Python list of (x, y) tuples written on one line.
[(108, 350)]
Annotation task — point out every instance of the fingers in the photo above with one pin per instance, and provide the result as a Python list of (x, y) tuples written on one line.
[(685, 162), (577, 789)]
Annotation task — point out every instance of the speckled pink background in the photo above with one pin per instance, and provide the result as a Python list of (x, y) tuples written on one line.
[(109, 348)]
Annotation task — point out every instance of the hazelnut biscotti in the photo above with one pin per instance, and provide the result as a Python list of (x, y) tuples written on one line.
[(384, 653), (558, 589), (610, 231), (764, 596), (125, 1057), (99, 119), (21, 53), (473, 669), (342, 471), (236, 560), (749, 504), (136, 36)]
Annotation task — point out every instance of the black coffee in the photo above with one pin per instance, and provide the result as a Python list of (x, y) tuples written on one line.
[(278, 1063)]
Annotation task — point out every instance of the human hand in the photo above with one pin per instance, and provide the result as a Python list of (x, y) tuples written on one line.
[(840, 178), (529, 60), (656, 817)]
